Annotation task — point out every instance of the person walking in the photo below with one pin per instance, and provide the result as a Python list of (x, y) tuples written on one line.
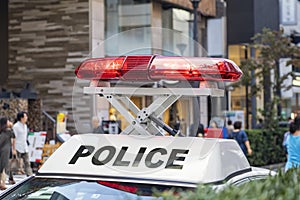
[(292, 130), (293, 145), (6, 144), (12, 154), (21, 132), (97, 128), (260, 124), (241, 137), (200, 130), (213, 124), (229, 127)]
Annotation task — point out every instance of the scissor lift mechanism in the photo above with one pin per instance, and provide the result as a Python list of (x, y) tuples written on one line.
[(146, 121)]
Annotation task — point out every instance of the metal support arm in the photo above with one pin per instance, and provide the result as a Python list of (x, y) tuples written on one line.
[(146, 121)]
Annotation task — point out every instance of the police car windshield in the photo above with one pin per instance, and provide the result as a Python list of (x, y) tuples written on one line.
[(67, 189)]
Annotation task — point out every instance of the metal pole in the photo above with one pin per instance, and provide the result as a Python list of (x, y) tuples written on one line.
[(278, 91), (247, 93), (196, 100), (253, 97), (247, 106), (195, 26)]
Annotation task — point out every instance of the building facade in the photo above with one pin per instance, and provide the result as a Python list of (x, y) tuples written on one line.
[(244, 20), (290, 23), (48, 39)]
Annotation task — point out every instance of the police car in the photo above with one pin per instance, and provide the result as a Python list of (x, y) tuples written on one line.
[(91, 166), (141, 160)]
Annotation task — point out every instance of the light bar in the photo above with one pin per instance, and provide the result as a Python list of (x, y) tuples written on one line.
[(155, 68)]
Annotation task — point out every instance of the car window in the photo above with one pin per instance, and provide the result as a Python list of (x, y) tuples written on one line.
[(67, 189)]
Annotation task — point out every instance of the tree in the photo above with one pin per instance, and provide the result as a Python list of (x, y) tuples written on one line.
[(271, 46)]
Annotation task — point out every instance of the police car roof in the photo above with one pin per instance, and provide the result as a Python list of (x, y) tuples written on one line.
[(147, 159)]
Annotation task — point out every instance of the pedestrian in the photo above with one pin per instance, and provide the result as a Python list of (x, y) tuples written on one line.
[(6, 144), (213, 124), (97, 128), (21, 133), (13, 153), (177, 123), (293, 146), (224, 133), (229, 127), (292, 130), (241, 137), (200, 130), (260, 124)]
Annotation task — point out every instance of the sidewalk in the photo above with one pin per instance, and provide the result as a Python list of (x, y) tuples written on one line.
[(17, 178)]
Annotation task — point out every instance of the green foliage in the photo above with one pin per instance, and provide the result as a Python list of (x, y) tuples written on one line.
[(283, 186), (266, 146), (271, 46)]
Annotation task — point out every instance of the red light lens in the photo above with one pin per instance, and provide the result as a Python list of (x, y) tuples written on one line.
[(119, 186), (154, 68), (136, 68), (114, 68), (101, 68), (194, 69)]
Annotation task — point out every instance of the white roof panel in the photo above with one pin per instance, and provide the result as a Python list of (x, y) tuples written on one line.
[(148, 158)]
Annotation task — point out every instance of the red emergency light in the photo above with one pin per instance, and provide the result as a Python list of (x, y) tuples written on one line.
[(155, 68), (119, 186)]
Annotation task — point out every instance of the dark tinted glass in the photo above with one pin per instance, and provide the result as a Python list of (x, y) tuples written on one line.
[(67, 189)]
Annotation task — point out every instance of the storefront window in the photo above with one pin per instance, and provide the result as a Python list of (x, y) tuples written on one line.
[(179, 21), (133, 2), (125, 15), (295, 103), (131, 19), (296, 69)]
